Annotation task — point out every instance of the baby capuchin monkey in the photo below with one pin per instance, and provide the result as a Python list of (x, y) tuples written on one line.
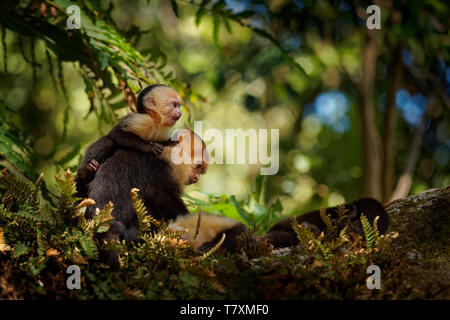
[(160, 181), (158, 109)]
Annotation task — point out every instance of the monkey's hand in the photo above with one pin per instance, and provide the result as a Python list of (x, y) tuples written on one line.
[(154, 147), (89, 171)]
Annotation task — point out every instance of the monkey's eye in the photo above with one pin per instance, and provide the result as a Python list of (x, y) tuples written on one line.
[(176, 105)]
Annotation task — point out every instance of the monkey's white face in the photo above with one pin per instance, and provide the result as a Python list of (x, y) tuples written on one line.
[(166, 102), (189, 157)]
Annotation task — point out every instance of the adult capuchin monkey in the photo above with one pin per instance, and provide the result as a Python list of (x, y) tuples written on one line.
[(158, 109), (160, 180)]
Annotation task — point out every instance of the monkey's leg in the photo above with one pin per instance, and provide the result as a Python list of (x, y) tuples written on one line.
[(115, 232), (96, 154)]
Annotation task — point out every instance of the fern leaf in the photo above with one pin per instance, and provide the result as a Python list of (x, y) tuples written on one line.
[(144, 218), (89, 247), (17, 190), (20, 249), (341, 210), (104, 218), (41, 243), (325, 218), (34, 200), (66, 186), (304, 234), (368, 231), (326, 252)]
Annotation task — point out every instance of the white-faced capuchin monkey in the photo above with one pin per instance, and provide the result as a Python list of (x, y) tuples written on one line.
[(145, 131), (160, 181)]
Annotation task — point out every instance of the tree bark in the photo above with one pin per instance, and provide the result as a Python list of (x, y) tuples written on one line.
[(390, 117), (371, 141)]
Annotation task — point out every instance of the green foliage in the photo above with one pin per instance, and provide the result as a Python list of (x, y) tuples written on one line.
[(36, 247), (220, 12), (14, 147), (368, 231), (145, 219), (334, 245), (41, 234), (251, 210)]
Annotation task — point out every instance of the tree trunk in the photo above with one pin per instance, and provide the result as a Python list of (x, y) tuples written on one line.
[(371, 141), (389, 124)]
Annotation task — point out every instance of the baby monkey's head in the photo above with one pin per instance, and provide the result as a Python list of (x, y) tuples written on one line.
[(161, 102)]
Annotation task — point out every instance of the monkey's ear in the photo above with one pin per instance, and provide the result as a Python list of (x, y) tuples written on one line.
[(149, 102), (182, 134)]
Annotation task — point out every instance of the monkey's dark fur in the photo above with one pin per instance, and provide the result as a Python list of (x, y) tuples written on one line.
[(105, 147), (127, 169), (283, 235)]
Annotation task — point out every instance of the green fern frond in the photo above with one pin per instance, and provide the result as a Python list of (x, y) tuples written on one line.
[(16, 190), (368, 231), (20, 249), (104, 218), (34, 200), (66, 183), (50, 215), (145, 219), (335, 243), (344, 234), (89, 247), (304, 234), (66, 186), (114, 245), (338, 242), (29, 217), (325, 218), (326, 251), (40, 242), (341, 210)]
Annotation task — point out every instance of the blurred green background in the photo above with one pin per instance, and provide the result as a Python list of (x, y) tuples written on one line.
[(300, 66)]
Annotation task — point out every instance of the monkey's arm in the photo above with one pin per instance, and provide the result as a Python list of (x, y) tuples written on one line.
[(95, 155), (130, 140), (163, 201)]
